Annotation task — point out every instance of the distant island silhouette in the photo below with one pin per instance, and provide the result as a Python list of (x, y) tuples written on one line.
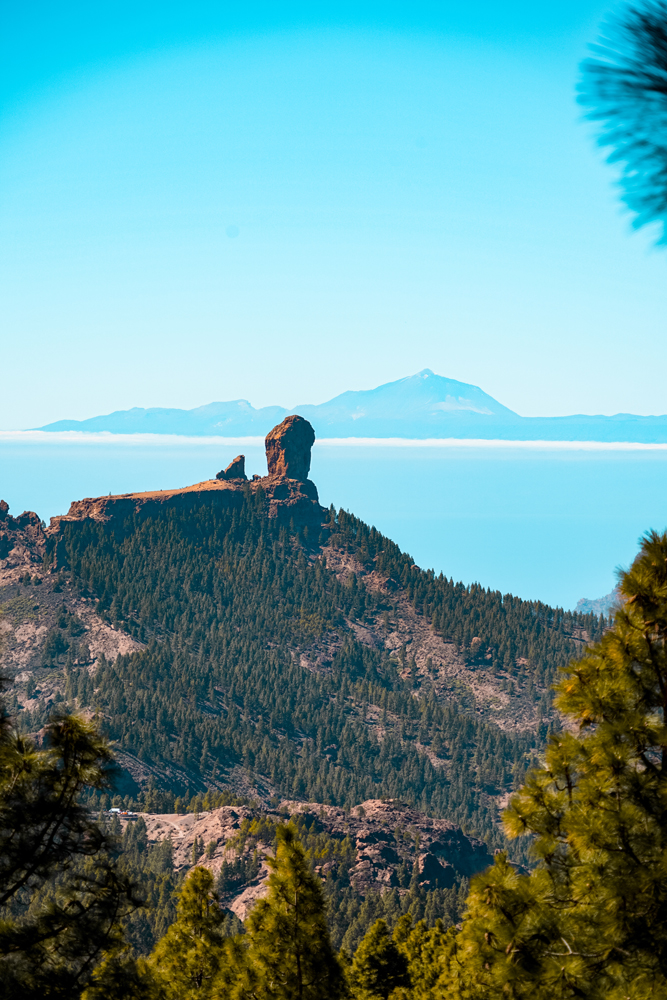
[(420, 406)]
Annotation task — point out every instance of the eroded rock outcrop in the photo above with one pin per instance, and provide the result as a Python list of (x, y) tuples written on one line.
[(290, 496), (235, 469), (288, 448), (388, 838), (22, 543)]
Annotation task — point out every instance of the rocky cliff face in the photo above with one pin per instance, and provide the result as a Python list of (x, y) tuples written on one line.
[(289, 494), (22, 544), (45, 621), (288, 448), (386, 835), (235, 469)]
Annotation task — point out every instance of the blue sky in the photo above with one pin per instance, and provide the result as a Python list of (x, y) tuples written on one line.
[(282, 202)]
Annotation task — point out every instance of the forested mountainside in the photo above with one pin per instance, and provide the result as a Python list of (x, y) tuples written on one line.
[(333, 670)]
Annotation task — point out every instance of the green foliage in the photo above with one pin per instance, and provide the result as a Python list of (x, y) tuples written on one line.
[(591, 919), (351, 914), (379, 967), (121, 977), (624, 90), (61, 640), (349, 911), (508, 628), (428, 952), (191, 956), (151, 867), (62, 895), (289, 952), (21, 609), (152, 799), (238, 872)]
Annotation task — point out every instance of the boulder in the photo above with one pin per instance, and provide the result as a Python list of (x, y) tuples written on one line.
[(235, 469), (288, 448)]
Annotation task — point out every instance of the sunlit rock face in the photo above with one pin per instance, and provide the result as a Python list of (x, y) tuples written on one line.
[(289, 495), (288, 448), (22, 544), (235, 469)]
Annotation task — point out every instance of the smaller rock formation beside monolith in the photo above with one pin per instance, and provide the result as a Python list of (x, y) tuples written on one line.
[(235, 470)]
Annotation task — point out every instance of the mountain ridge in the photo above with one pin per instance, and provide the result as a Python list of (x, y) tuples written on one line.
[(237, 635), (424, 405)]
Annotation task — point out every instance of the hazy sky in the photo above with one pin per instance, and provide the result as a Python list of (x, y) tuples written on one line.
[(206, 201)]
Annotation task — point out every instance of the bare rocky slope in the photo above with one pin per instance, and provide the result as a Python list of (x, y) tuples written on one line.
[(38, 605), (382, 836)]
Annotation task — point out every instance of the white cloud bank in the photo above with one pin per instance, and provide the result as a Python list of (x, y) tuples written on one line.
[(174, 440)]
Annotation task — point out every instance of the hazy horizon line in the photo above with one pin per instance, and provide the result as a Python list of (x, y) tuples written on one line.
[(139, 439)]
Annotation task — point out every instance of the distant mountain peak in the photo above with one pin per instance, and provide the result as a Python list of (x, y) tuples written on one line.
[(423, 405), (606, 605)]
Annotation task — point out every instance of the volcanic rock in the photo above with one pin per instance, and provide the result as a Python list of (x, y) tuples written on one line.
[(288, 448), (385, 834), (290, 497), (22, 543), (235, 469)]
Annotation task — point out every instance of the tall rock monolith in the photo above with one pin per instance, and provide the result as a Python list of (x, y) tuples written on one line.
[(288, 448)]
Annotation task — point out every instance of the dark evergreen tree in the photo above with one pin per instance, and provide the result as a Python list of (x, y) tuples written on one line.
[(379, 967), (428, 953), (591, 919), (289, 952), (62, 895), (626, 89), (191, 956)]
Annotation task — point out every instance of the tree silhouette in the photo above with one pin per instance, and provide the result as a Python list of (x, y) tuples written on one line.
[(591, 919), (190, 956), (625, 88), (62, 894), (379, 967)]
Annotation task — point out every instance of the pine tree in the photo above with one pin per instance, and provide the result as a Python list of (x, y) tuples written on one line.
[(591, 920), (290, 955), (428, 953), (192, 954), (121, 977), (378, 967), (56, 858), (625, 91)]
